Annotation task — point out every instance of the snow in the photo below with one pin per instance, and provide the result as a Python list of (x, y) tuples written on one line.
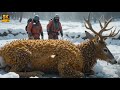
[(34, 77), (8, 75), (75, 32)]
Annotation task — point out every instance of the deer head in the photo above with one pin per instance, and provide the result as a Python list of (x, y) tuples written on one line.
[(102, 52)]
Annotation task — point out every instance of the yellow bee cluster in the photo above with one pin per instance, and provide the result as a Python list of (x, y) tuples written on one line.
[(58, 56)]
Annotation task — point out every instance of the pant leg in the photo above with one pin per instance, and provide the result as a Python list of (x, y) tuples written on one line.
[(30, 37), (55, 36), (50, 36)]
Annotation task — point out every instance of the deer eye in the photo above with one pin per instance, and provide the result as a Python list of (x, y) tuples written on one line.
[(97, 41), (105, 50)]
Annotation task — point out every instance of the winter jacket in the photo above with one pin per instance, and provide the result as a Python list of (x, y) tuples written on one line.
[(35, 30), (54, 27)]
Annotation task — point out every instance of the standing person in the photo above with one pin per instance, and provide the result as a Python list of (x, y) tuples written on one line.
[(34, 29), (54, 28)]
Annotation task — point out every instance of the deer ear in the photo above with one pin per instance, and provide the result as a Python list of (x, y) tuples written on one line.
[(88, 35)]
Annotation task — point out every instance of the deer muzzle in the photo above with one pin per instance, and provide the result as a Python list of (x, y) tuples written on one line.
[(112, 61)]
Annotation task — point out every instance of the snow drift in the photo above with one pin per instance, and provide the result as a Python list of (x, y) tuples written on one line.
[(73, 31)]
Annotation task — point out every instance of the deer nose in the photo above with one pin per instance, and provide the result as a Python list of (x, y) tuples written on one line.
[(114, 61)]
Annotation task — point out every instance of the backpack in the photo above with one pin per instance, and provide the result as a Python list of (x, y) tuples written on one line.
[(29, 20)]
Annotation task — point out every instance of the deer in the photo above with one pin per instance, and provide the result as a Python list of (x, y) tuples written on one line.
[(97, 46), (37, 57)]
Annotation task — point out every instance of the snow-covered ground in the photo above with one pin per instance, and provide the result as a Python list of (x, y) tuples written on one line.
[(75, 32)]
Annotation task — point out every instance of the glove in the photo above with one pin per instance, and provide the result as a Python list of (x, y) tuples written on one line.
[(57, 33), (61, 35), (30, 36), (42, 37), (48, 32)]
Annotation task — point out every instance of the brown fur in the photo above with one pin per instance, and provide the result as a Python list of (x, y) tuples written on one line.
[(88, 55), (37, 53), (70, 60)]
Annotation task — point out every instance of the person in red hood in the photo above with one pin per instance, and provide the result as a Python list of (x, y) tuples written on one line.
[(54, 28), (34, 29)]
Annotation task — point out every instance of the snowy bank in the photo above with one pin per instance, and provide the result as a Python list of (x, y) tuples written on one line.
[(73, 31)]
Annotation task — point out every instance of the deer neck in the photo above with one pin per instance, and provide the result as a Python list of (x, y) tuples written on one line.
[(88, 50), (88, 55)]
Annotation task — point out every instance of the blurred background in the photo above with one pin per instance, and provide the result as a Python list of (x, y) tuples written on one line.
[(64, 16)]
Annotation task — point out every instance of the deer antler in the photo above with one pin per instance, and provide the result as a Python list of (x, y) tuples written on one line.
[(103, 28), (100, 22), (112, 34), (89, 25), (105, 23)]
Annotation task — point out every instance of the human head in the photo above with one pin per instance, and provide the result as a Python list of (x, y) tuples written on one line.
[(29, 20), (56, 18), (36, 18)]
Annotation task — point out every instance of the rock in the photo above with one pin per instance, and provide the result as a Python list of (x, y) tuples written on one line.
[(5, 34)]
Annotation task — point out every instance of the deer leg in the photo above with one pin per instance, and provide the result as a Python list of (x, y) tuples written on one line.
[(30, 74), (20, 62), (87, 68), (7, 68), (67, 71), (91, 72), (23, 74)]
